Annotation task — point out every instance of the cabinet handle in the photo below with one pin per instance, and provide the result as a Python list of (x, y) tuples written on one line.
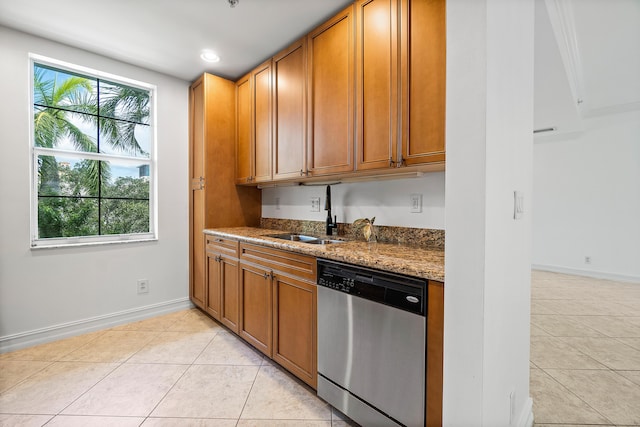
[(266, 275), (218, 258), (217, 240)]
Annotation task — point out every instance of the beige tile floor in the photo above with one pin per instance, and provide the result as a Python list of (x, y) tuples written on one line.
[(181, 369), (585, 351)]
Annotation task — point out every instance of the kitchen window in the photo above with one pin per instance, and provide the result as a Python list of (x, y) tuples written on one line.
[(92, 152)]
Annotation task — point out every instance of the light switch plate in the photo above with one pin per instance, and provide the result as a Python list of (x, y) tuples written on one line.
[(416, 203), (315, 204), (518, 204)]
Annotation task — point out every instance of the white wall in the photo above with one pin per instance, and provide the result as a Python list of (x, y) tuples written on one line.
[(487, 252), (55, 292), (388, 201), (587, 199)]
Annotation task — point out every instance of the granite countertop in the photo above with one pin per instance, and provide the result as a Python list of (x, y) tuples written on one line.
[(414, 261)]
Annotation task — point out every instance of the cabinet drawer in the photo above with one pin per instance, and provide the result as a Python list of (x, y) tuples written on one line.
[(303, 266), (222, 245)]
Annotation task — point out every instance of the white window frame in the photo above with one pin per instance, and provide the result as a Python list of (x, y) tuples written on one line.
[(152, 235)]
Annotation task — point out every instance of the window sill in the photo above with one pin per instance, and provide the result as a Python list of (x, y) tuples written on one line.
[(94, 243)]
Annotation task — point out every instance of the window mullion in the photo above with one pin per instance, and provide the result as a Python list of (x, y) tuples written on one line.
[(99, 162)]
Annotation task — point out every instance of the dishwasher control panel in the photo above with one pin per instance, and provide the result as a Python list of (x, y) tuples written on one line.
[(403, 292)]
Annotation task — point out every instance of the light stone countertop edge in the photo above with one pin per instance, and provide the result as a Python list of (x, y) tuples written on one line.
[(396, 258)]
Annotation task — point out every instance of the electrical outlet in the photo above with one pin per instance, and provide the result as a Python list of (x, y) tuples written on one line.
[(143, 286), (587, 260), (315, 204), (416, 203), (277, 203)]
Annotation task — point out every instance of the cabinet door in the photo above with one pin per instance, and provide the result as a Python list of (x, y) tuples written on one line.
[(229, 295), (289, 105), (244, 160), (435, 343), (261, 78), (330, 51), (376, 83), (423, 62), (256, 307), (294, 324), (213, 285), (197, 200)]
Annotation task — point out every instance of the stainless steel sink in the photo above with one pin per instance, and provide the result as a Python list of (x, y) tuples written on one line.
[(324, 241), (293, 237), (303, 238)]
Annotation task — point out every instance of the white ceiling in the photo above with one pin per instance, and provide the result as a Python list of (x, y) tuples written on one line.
[(168, 35), (587, 61), (587, 51)]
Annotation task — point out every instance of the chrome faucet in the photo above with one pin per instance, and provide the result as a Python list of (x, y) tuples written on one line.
[(331, 224)]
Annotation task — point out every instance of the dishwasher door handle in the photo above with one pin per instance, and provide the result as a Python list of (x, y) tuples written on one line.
[(365, 279)]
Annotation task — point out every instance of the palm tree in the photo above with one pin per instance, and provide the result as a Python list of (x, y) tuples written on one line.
[(121, 109), (53, 101), (131, 107)]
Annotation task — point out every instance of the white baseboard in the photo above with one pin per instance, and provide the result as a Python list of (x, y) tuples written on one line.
[(65, 330), (526, 416), (587, 273)]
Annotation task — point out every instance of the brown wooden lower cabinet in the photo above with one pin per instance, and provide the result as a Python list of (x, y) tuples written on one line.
[(435, 341), (269, 298), (278, 306), (294, 327), (222, 300), (256, 307)]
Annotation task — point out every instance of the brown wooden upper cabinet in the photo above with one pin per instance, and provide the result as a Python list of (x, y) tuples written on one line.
[(253, 157), (418, 138), (244, 149), (330, 50), (365, 91), (290, 112), (423, 80), (377, 84)]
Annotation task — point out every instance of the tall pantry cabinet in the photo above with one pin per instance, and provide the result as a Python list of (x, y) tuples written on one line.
[(214, 199)]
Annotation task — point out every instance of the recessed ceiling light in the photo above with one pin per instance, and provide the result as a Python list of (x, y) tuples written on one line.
[(209, 56)]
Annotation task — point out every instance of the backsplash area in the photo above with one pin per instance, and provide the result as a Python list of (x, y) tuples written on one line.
[(433, 239), (389, 201)]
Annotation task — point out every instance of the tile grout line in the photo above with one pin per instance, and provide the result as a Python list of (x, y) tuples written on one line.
[(88, 389), (118, 365), (250, 390), (26, 378), (578, 397), (189, 366)]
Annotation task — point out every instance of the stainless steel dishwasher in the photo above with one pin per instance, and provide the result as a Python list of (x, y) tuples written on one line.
[(371, 344)]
